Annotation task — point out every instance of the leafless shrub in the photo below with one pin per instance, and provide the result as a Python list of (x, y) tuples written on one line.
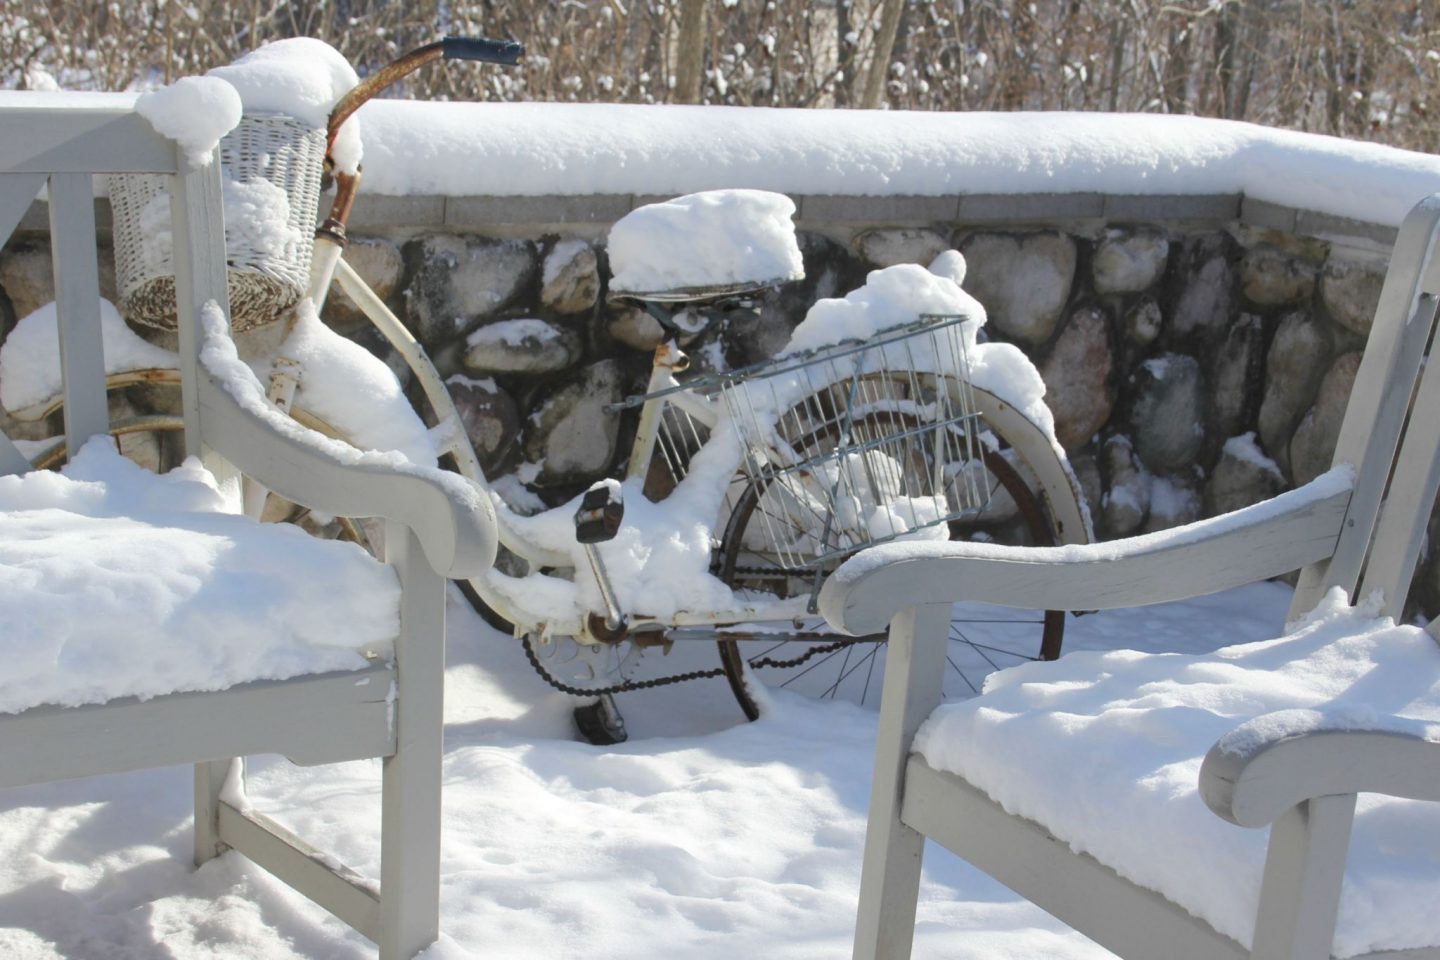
[(1354, 68)]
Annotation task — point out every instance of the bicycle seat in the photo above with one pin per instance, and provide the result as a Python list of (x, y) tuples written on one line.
[(704, 249)]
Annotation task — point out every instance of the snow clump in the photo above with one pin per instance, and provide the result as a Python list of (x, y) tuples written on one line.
[(195, 112)]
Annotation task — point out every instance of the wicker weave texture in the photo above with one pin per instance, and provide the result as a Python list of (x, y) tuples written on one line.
[(272, 166)]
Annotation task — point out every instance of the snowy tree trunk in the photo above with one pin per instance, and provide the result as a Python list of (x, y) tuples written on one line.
[(690, 52), (880, 62)]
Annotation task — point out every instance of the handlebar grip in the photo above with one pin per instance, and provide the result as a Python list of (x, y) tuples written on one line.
[(480, 48)]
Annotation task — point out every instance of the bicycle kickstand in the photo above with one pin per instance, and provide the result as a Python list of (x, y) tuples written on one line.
[(598, 520)]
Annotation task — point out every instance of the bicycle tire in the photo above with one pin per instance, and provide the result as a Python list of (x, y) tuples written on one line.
[(830, 666)]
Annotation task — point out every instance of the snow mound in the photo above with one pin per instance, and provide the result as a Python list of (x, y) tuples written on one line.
[(1153, 717), (718, 238), (116, 582), (195, 112), (303, 78)]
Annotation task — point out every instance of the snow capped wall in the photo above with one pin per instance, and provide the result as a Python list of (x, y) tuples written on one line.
[(555, 149)]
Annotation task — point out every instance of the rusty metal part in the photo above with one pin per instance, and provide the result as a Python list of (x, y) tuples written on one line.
[(598, 626), (346, 186), (377, 81)]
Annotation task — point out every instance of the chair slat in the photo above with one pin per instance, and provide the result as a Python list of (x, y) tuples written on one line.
[(17, 192), (1375, 414), (1401, 528), (77, 301), (198, 222)]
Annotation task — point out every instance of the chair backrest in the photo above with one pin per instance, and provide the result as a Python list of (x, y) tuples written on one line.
[(61, 145), (1378, 548)]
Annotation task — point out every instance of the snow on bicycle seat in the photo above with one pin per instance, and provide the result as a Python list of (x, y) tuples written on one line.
[(704, 246)]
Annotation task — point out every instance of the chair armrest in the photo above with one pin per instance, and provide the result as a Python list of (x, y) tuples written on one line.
[(1265, 766), (1260, 541), (453, 518)]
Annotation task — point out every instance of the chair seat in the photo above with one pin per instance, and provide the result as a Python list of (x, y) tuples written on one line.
[(117, 582), (1104, 751)]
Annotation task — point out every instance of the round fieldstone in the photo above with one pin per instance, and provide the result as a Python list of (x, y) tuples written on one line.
[(1166, 412), (1207, 283), (460, 282), (1174, 500), (1235, 376), (1243, 475), (1129, 261), (570, 277), (1270, 277), (887, 247), (1298, 356), (526, 345), (637, 329), (490, 419), (1087, 470), (1127, 495), (1350, 290), (379, 264), (28, 277), (1313, 445), (1024, 282), (1078, 375), (1143, 321), (571, 435)]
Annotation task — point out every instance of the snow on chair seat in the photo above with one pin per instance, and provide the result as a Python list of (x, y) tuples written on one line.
[(1113, 745), (1083, 784), (145, 626), (116, 582)]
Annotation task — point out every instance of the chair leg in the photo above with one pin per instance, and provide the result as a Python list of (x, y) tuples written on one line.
[(410, 827), (210, 777), (1300, 892), (890, 877)]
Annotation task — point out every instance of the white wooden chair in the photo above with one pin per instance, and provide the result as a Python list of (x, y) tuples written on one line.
[(1297, 774), (435, 528)]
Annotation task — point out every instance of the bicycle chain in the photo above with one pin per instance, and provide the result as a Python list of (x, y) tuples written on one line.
[(624, 687)]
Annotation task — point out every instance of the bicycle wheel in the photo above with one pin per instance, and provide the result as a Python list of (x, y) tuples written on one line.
[(1034, 500)]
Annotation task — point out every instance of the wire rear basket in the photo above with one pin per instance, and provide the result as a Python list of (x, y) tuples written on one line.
[(843, 447), (860, 443)]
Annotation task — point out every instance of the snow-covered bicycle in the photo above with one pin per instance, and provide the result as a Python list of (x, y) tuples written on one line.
[(886, 417)]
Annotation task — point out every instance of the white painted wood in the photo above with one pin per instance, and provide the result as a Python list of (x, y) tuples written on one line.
[(1375, 412), (1303, 786), (77, 304), (410, 844), (91, 139), (890, 881), (390, 711), (1400, 531), (1255, 788), (458, 535), (197, 218), (1076, 888), (335, 887), (210, 776), (1126, 573), (1300, 892), (317, 718), (12, 461), (17, 192)]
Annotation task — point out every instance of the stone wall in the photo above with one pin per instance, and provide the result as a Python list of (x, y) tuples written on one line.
[(1197, 351)]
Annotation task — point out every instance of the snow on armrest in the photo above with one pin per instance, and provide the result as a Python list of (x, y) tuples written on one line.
[(453, 518), (1269, 764), (1260, 541)]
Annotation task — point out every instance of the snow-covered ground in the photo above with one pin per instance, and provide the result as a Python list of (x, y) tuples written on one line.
[(704, 836)]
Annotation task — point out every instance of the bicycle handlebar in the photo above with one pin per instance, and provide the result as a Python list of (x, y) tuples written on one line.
[(482, 49)]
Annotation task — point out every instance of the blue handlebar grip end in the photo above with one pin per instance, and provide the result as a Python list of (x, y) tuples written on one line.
[(480, 48)]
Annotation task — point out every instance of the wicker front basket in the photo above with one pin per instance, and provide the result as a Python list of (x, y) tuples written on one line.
[(272, 166)]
